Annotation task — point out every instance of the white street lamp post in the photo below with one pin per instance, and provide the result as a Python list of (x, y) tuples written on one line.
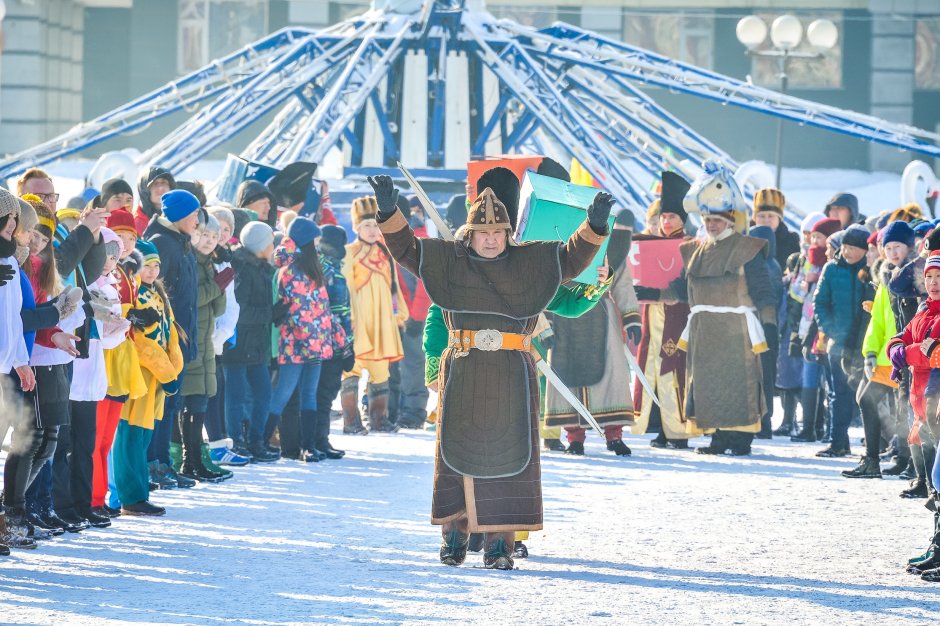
[(786, 33)]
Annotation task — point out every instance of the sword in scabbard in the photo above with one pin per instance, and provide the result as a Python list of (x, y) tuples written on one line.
[(550, 376)]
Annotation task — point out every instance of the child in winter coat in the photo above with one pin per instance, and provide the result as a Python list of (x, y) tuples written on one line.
[(916, 350), (220, 447), (247, 379), (121, 362), (370, 273), (89, 387), (161, 361), (838, 310), (306, 336), (896, 242), (199, 384)]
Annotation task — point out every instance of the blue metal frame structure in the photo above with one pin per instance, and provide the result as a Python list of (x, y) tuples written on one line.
[(562, 89)]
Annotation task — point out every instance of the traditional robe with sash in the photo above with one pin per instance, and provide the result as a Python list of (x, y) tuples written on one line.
[(725, 278), (588, 357), (487, 453)]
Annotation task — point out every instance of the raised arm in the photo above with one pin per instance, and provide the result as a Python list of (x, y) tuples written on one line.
[(581, 247)]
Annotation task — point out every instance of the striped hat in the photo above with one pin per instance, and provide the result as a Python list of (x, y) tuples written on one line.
[(769, 200), (933, 262), (148, 251)]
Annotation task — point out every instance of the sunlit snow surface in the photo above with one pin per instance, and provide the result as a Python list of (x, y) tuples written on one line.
[(663, 537)]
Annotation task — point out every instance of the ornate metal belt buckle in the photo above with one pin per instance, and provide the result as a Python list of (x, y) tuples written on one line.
[(488, 340)]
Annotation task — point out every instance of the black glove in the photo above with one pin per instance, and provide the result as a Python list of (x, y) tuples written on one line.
[(634, 333), (796, 346), (279, 312), (648, 294), (349, 359), (599, 211), (414, 328), (386, 195), (7, 272), (143, 318)]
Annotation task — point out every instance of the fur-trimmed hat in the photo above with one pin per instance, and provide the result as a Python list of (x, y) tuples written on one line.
[(487, 213), (364, 208), (505, 184), (769, 200)]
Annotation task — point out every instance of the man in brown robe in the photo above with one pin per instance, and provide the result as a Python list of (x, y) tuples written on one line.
[(487, 473)]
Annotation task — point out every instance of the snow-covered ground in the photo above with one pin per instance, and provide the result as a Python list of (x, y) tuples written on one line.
[(663, 537)]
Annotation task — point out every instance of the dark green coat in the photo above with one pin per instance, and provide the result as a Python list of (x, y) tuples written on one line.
[(199, 377)]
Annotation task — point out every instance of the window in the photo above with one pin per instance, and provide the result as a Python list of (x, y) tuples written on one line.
[(927, 54), (213, 28), (685, 38), (821, 73)]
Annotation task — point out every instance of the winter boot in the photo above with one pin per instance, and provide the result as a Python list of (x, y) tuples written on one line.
[(822, 414), (378, 409), (520, 551), (789, 399), (808, 400), (498, 555), (718, 444), (618, 447), (143, 508), (349, 399), (930, 559), (576, 448), (918, 489), (210, 465), (869, 467), (554, 445), (176, 456), (900, 464), (678, 444), (192, 466), (158, 476), (739, 444), (660, 441), (454, 548), (14, 536)]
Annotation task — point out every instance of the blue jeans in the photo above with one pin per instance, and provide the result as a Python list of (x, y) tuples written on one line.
[(247, 399), (810, 374), (288, 376), (841, 400)]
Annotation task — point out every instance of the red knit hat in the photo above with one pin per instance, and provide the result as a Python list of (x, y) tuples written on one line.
[(828, 226), (121, 219)]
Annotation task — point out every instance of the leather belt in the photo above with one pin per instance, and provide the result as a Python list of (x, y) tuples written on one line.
[(487, 340)]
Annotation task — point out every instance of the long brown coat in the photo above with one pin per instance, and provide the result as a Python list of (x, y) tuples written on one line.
[(487, 454), (725, 381)]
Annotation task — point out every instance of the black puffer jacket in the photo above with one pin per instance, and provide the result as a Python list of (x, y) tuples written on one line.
[(254, 292)]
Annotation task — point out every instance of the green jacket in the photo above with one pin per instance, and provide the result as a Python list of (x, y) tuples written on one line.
[(571, 300), (881, 327)]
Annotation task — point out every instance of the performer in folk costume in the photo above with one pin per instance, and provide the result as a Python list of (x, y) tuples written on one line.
[(658, 354), (603, 384), (370, 274), (733, 313), (571, 300), (487, 474)]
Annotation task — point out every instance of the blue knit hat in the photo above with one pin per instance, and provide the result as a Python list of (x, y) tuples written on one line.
[(857, 236), (303, 231), (178, 204), (898, 231)]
